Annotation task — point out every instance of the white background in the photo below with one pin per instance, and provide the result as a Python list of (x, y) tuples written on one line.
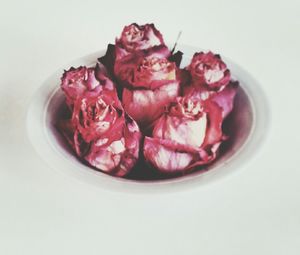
[(257, 211)]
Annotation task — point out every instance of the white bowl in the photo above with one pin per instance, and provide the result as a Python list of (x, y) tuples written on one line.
[(249, 122)]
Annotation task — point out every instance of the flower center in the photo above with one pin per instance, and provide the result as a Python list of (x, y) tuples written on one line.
[(212, 73), (99, 111), (215, 75), (161, 69), (156, 64), (192, 108), (133, 34), (189, 108)]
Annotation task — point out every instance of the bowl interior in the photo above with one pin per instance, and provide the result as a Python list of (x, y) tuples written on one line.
[(237, 126)]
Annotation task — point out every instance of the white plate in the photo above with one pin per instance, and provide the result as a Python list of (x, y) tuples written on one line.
[(251, 120)]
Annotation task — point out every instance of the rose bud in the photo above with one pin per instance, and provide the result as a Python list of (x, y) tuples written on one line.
[(136, 42), (208, 69), (186, 136), (210, 78), (75, 82), (224, 98), (99, 131), (109, 136), (116, 153), (136, 38), (152, 85), (93, 116)]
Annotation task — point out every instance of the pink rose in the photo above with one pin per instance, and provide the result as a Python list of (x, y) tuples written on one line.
[(146, 71), (93, 115), (125, 68), (75, 82), (115, 147), (135, 38), (136, 41), (150, 85), (225, 97), (208, 71), (187, 135), (100, 132), (210, 78), (140, 82)]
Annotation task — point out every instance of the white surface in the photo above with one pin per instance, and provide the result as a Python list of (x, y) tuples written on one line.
[(254, 212)]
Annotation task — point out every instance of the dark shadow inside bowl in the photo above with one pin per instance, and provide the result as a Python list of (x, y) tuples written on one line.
[(237, 126)]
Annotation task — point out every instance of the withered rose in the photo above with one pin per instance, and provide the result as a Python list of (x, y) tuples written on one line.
[(75, 82), (186, 136), (124, 69), (140, 85), (93, 115), (101, 132), (151, 85), (140, 63), (210, 78), (136, 41), (114, 137), (208, 70), (136, 38)]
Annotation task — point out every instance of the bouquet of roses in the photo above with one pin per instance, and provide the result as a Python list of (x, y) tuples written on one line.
[(137, 103)]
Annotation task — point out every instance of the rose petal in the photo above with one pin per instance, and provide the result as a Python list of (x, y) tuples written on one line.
[(184, 131), (171, 157), (76, 82), (225, 98), (187, 135), (147, 105), (166, 158), (118, 152), (214, 132), (125, 69)]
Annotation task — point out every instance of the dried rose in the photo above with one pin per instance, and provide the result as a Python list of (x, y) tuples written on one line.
[(151, 86), (210, 78), (208, 70), (75, 82), (135, 38), (186, 136), (101, 132)]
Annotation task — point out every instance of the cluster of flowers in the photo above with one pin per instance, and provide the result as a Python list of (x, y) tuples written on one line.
[(138, 103)]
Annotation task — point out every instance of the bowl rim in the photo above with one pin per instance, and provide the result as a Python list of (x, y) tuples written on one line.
[(41, 141)]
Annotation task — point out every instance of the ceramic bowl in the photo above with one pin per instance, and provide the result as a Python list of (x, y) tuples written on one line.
[(247, 126)]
